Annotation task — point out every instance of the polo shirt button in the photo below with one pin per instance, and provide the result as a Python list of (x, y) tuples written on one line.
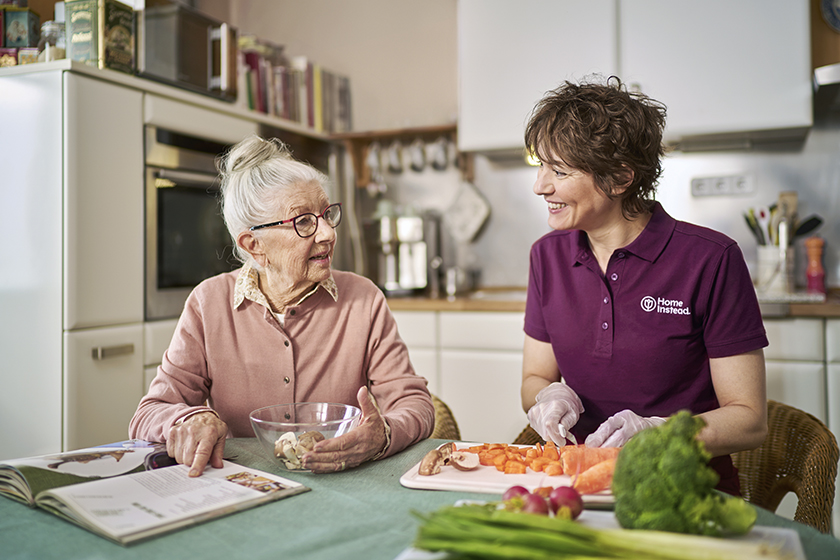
[(604, 326), (292, 312), (606, 300), (286, 379), (621, 255), (286, 342), (613, 276)]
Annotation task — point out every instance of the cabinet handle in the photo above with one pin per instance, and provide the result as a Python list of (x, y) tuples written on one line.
[(103, 352)]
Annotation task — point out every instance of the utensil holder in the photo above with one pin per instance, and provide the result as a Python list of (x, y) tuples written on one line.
[(775, 270)]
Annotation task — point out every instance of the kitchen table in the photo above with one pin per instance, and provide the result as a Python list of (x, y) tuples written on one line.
[(360, 513)]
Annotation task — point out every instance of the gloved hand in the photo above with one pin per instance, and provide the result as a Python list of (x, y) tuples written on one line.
[(557, 409), (619, 428)]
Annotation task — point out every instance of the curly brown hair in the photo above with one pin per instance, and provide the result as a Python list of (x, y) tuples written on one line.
[(602, 129)]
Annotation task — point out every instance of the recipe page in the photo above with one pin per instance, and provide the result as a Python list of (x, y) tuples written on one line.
[(162, 497)]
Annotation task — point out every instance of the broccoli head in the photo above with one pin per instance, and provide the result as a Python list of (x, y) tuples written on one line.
[(663, 482)]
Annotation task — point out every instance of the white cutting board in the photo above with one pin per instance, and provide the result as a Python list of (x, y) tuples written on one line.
[(489, 480)]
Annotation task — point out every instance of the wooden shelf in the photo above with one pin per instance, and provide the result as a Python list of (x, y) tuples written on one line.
[(358, 143)]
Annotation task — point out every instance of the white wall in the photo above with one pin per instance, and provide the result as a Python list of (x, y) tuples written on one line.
[(400, 55)]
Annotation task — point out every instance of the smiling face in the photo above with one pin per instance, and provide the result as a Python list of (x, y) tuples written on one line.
[(291, 264), (574, 201)]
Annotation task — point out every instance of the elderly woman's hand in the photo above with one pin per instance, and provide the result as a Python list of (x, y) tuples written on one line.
[(197, 441), (361, 444)]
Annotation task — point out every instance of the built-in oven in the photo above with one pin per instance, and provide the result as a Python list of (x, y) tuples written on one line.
[(186, 240)]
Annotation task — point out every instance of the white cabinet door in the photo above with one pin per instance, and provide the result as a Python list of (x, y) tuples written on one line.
[(103, 382), (720, 66), (419, 331), (30, 276), (795, 339), (511, 53), (103, 203), (482, 389), (799, 384), (832, 342)]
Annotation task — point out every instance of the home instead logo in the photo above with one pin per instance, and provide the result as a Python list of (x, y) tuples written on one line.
[(667, 306)]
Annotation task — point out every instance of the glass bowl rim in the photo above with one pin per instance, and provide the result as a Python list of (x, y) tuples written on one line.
[(356, 414)]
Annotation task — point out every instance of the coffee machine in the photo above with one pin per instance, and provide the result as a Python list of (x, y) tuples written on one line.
[(404, 252)]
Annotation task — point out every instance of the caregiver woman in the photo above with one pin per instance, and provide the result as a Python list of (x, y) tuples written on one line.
[(631, 314), (283, 328)]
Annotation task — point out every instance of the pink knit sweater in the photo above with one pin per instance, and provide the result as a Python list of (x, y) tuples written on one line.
[(240, 359)]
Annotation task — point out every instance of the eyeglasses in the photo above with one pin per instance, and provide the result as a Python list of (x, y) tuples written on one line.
[(307, 224)]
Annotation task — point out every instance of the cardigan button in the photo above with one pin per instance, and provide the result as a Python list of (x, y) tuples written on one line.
[(288, 416), (292, 312), (286, 343), (287, 380)]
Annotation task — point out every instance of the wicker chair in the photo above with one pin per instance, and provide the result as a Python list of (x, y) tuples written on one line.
[(528, 436), (799, 455), (445, 425)]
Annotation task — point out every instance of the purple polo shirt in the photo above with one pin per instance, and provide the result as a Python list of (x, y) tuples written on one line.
[(641, 335)]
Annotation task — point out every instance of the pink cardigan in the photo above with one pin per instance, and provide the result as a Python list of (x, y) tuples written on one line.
[(238, 360)]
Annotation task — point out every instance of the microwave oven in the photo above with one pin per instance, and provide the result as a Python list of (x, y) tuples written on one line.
[(183, 47), (186, 240)]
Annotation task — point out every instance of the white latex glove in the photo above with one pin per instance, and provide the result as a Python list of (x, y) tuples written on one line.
[(619, 428), (557, 409)]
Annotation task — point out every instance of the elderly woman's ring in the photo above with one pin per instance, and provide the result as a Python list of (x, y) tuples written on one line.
[(343, 466)]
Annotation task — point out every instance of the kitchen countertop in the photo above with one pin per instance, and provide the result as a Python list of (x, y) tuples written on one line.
[(513, 299)]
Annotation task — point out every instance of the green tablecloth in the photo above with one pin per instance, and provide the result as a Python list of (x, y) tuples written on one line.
[(361, 513)]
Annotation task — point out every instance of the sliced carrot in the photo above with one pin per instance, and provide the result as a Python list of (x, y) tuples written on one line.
[(514, 467), (496, 445), (476, 449), (595, 478), (499, 461), (538, 464), (531, 453), (579, 458), (553, 468), (550, 451), (485, 459)]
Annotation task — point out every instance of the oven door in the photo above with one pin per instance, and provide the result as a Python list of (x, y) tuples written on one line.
[(186, 238)]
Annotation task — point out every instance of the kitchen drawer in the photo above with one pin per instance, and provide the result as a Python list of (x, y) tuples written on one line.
[(795, 339), (417, 328), (832, 341), (157, 335), (101, 394), (799, 384), (482, 330)]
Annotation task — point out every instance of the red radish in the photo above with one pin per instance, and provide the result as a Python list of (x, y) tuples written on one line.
[(515, 491), (535, 504), (568, 498)]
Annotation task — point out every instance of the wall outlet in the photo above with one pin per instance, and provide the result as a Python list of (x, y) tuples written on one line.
[(722, 186)]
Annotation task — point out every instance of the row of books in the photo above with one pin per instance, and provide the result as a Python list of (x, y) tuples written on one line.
[(298, 90)]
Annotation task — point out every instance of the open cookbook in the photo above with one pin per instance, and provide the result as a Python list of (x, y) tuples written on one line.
[(121, 492)]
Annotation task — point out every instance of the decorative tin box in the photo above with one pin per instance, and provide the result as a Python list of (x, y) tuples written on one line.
[(8, 56), (100, 33), (21, 27)]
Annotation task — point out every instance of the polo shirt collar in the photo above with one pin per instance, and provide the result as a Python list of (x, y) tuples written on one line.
[(248, 287), (648, 246)]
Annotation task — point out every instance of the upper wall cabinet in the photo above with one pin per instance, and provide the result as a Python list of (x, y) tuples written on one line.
[(511, 53), (737, 70), (727, 71)]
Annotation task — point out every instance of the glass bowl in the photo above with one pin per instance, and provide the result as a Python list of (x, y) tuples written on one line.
[(280, 428)]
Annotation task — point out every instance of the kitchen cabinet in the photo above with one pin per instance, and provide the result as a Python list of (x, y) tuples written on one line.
[(511, 53), (473, 361), (71, 201), (795, 361), (419, 331), (721, 67), (736, 69)]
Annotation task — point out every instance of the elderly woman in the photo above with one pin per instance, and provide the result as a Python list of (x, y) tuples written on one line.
[(631, 314), (283, 328)]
